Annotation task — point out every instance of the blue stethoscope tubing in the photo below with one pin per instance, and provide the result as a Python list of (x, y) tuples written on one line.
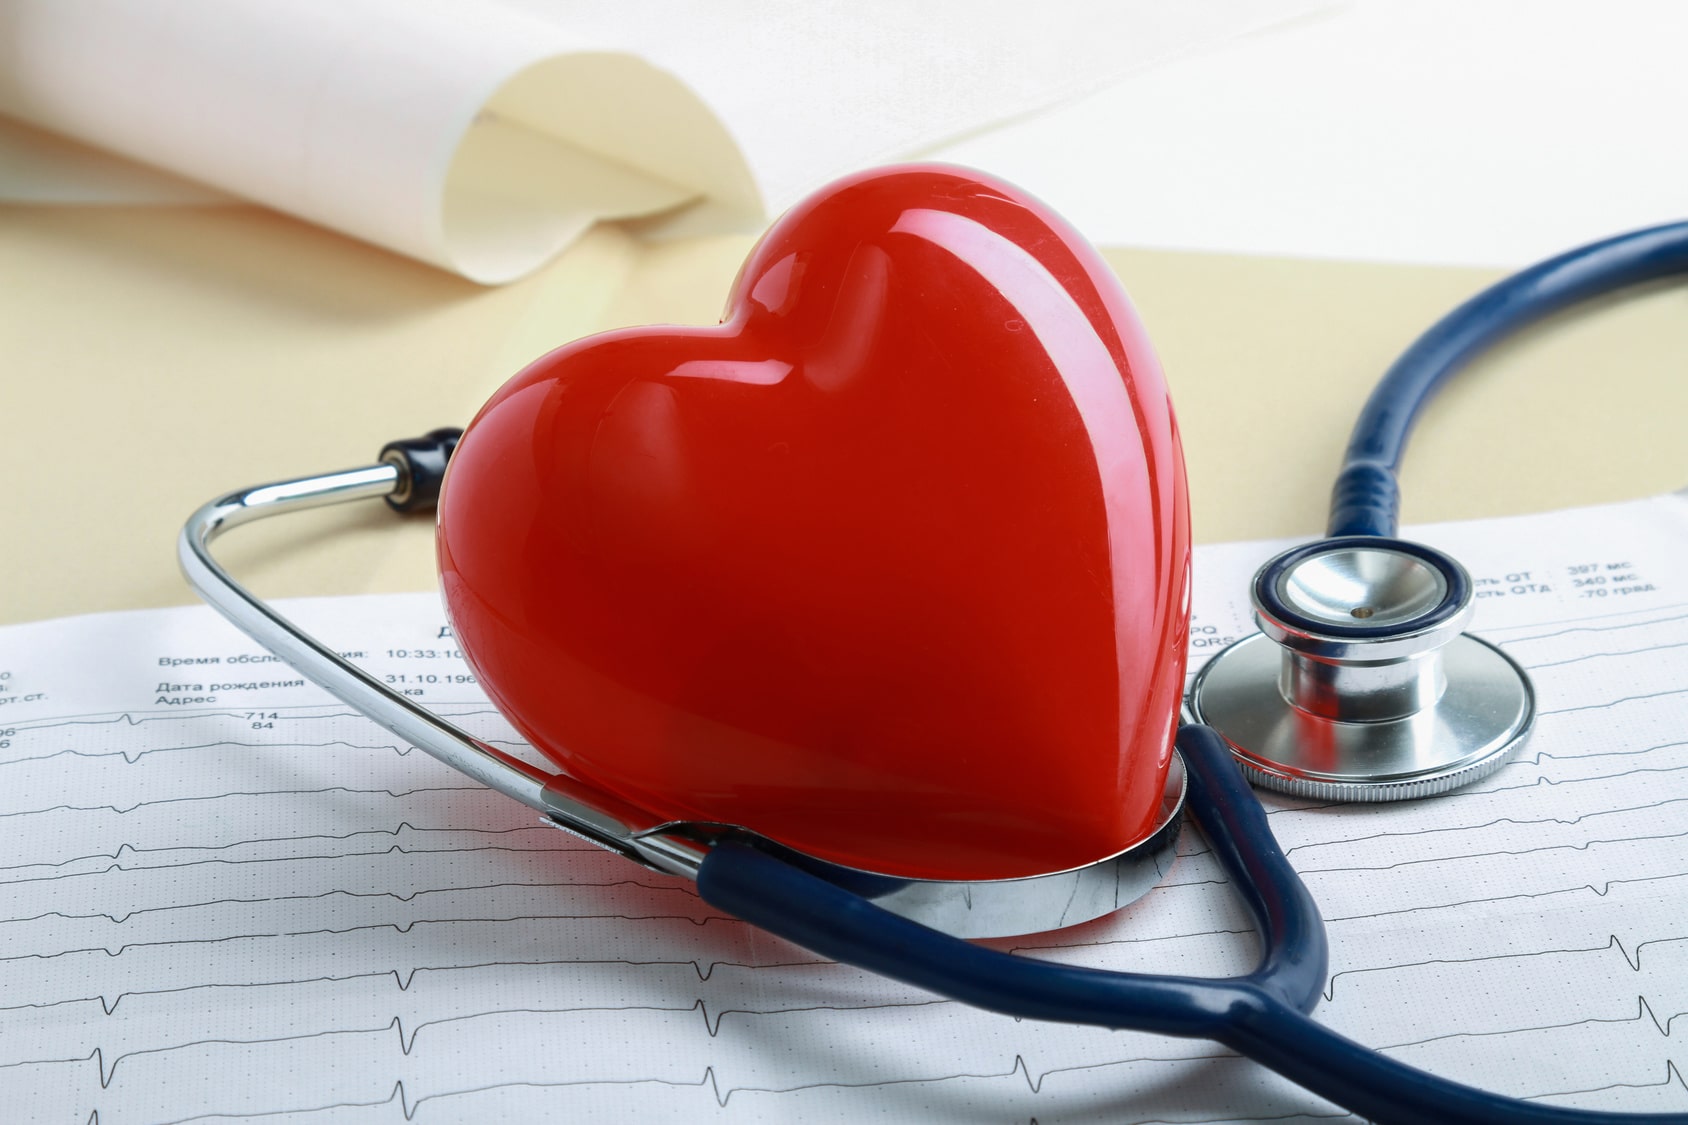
[(1366, 499), (1263, 1014)]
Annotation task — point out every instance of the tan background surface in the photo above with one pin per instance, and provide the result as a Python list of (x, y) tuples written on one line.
[(155, 358)]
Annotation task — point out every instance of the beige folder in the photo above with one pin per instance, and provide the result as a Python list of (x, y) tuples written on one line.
[(154, 358)]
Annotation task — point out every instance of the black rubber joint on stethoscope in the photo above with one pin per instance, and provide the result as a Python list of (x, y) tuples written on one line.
[(421, 464)]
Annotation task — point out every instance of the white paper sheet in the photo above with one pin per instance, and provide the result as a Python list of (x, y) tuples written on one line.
[(222, 899), (484, 137), (1438, 132), (432, 128)]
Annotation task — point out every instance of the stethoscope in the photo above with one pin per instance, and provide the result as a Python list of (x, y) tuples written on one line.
[(1361, 685)]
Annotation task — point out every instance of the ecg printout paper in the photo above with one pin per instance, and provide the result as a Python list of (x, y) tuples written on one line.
[(225, 898)]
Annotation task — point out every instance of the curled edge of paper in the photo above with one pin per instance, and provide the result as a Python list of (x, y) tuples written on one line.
[(575, 139), (482, 143)]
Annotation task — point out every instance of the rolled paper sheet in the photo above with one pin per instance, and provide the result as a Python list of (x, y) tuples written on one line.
[(477, 138)]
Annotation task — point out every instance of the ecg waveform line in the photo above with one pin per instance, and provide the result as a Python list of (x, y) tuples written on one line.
[(394, 927), (395, 849), (133, 757), (403, 980), (722, 1094), (128, 848), (1526, 756), (1631, 959), (1489, 900), (1567, 821), (130, 758), (1605, 655), (1549, 782), (1607, 705), (1510, 853), (1648, 617), (406, 1041), (397, 896), (321, 791), (1643, 1016), (456, 709)]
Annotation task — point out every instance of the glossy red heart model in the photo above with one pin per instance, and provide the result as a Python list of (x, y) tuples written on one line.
[(891, 566)]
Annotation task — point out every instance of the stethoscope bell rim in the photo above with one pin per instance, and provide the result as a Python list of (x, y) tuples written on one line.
[(1361, 685)]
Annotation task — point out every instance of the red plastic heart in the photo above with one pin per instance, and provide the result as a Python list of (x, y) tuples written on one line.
[(891, 566)]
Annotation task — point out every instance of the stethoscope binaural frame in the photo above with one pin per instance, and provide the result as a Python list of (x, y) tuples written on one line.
[(1414, 600)]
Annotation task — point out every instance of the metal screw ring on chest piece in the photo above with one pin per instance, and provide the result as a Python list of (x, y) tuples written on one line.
[(1361, 685)]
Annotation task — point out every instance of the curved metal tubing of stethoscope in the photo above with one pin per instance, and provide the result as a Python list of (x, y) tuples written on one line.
[(1260, 1015), (1366, 499), (485, 764), (598, 819)]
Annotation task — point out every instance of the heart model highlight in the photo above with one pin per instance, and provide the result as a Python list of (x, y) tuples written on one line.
[(890, 566)]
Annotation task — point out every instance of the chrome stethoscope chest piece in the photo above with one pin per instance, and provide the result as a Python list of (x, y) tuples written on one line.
[(1361, 685)]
